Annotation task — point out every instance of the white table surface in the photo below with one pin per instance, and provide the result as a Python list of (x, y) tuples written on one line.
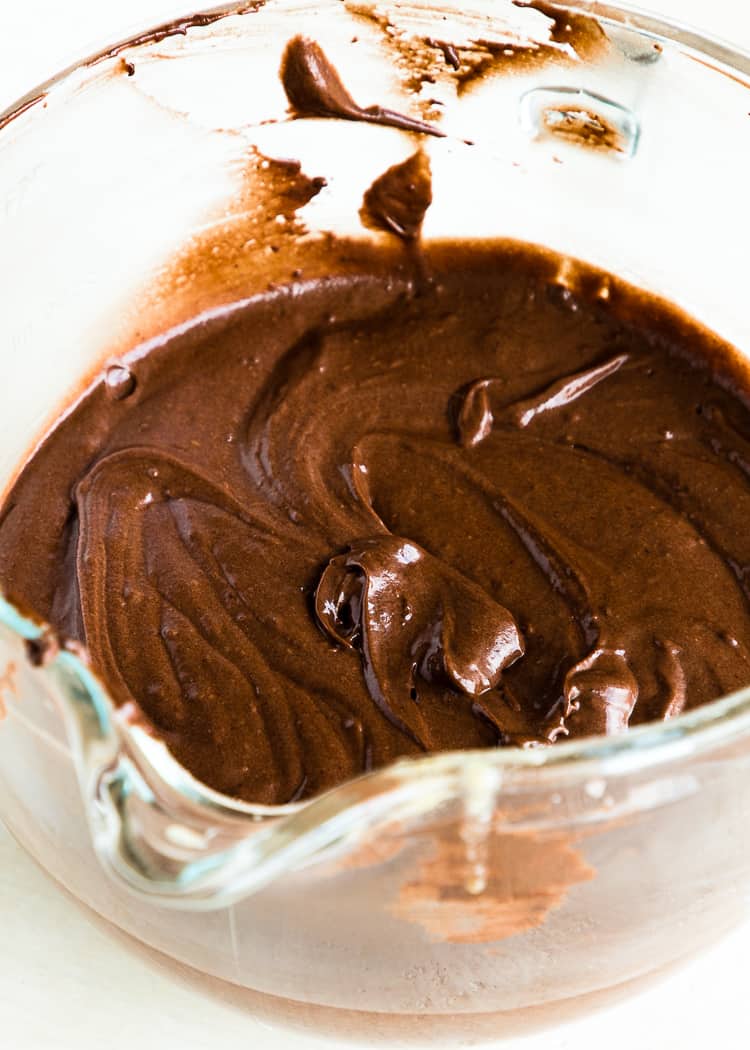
[(66, 980)]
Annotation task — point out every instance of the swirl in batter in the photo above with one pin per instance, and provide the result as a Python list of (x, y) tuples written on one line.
[(361, 517)]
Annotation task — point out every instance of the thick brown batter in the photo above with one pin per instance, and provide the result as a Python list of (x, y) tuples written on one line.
[(362, 518)]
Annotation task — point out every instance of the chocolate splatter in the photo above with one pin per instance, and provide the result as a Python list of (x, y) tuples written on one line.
[(315, 89), (398, 200)]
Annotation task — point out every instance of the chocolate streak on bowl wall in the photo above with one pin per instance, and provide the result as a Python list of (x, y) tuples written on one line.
[(398, 199), (426, 58), (8, 686), (397, 202), (24, 107), (583, 127), (525, 876), (580, 34), (503, 885), (251, 246), (255, 243), (314, 89), (177, 27)]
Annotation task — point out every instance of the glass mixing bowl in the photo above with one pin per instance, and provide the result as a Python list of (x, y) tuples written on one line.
[(498, 880)]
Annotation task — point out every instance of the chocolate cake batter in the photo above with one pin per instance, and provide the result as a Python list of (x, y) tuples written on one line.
[(361, 518), (434, 500)]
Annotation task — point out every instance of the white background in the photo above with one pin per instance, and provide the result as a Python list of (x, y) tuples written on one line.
[(66, 980)]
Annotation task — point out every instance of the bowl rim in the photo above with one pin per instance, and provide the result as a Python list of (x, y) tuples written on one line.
[(644, 747), (622, 14)]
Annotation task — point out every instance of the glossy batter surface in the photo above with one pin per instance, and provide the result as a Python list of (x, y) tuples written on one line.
[(369, 516)]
